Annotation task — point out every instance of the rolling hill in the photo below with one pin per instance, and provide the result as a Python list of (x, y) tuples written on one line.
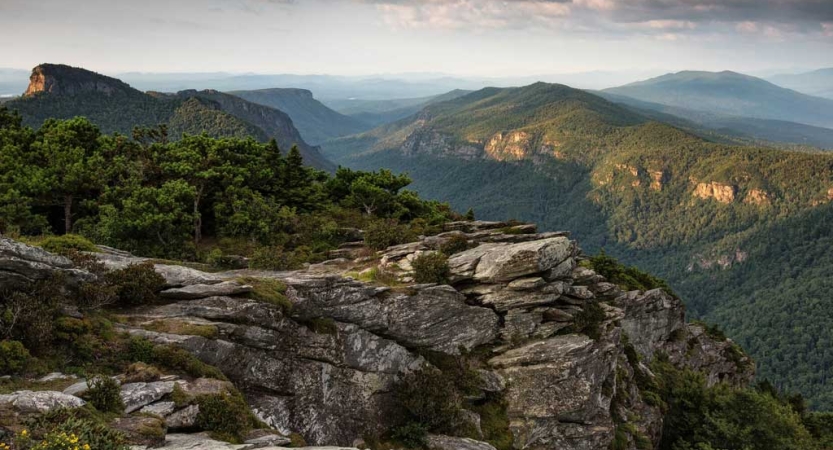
[(721, 222), (731, 93), (61, 91), (380, 112), (316, 122)]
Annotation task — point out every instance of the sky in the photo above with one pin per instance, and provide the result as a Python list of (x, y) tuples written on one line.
[(487, 38)]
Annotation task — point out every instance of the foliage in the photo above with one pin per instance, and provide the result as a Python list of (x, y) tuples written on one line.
[(87, 424), (104, 393), (268, 290), (173, 326), (276, 258), (588, 320), (14, 357), (382, 234), (431, 268), (627, 277), (63, 244), (411, 435), (455, 244), (136, 284), (225, 415)]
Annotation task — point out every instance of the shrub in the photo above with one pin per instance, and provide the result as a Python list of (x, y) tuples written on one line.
[(179, 397), (14, 357), (88, 426), (140, 372), (136, 284), (170, 357), (173, 326), (105, 394), (455, 244), (275, 258), (429, 398), (431, 268), (588, 320), (381, 234), (225, 415), (64, 244), (411, 435)]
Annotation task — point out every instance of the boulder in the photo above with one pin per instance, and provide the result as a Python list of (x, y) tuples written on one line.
[(198, 441), (506, 262), (160, 409), (29, 402), (206, 386), (184, 418), (507, 299), (265, 438), (650, 318), (137, 395), (195, 291), (526, 284)]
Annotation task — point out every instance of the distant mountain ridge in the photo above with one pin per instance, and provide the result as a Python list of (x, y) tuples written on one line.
[(720, 222), (818, 82), (731, 93), (60, 91), (315, 121)]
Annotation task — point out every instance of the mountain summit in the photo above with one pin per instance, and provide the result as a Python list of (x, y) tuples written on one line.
[(62, 92)]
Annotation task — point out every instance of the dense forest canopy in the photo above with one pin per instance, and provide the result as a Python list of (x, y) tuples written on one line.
[(164, 198)]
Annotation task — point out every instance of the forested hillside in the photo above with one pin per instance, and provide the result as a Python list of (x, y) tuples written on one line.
[(64, 92), (316, 122), (724, 223)]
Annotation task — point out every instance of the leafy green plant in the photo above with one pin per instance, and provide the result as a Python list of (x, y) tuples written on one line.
[(429, 399), (455, 244), (136, 284), (105, 394), (225, 415), (411, 435), (268, 290), (381, 234), (431, 268), (66, 243), (14, 357)]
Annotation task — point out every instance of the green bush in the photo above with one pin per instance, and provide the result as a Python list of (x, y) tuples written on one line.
[(105, 394), (136, 284), (455, 244), (170, 357), (66, 243), (87, 424), (276, 258), (14, 357), (431, 268), (226, 416), (588, 320), (430, 399), (381, 234), (411, 435), (268, 290)]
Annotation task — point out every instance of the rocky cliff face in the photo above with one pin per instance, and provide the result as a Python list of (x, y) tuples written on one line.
[(71, 81), (564, 349)]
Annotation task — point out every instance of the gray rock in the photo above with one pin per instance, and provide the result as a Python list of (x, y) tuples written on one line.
[(526, 284), (28, 402), (206, 386), (650, 318), (22, 264), (511, 299), (160, 409), (440, 442), (137, 395), (77, 389), (141, 429), (184, 418), (195, 291), (198, 441), (267, 440), (54, 376), (511, 261)]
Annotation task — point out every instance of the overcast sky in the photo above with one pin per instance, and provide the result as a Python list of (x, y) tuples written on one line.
[(462, 37)]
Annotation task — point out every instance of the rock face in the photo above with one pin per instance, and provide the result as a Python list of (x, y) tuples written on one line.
[(66, 80), (723, 193), (40, 401), (554, 340)]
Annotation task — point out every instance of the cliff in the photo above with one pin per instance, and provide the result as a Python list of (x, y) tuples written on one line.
[(72, 81), (543, 342)]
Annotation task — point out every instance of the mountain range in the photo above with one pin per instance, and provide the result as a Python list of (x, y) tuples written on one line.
[(723, 223), (60, 91), (731, 93), (818, 82)]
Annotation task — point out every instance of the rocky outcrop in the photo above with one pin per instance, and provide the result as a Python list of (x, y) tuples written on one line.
[(71, 81), (512, 146), (723, 193), (29, 402), (758, 197), (561, 347), (22, 264)]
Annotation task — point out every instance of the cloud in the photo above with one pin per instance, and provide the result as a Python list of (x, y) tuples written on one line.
[(767, 17)]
